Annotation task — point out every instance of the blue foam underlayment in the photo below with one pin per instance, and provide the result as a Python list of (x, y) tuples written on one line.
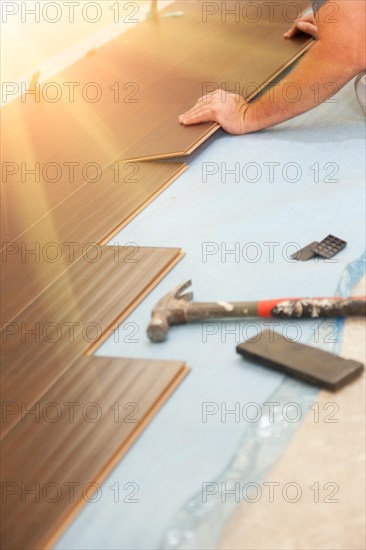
[(200, 522), (178, 451)]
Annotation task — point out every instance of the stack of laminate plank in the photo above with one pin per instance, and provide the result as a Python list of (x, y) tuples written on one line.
[(74, 173), (36, 254)]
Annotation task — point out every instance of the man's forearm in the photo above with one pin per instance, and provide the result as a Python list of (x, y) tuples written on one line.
[(337, 56), (329, 64), (308, 85)]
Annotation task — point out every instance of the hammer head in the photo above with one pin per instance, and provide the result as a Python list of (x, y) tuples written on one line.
[(170, 310)]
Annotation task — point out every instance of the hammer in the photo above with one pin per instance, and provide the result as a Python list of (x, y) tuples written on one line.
[(177, 308)]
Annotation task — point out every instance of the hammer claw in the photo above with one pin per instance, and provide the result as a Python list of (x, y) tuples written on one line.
[(187, 297), (178, 291)]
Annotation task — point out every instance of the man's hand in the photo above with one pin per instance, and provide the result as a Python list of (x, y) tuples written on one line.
[(223, 107), (305, 23), (229, 109), (337, 57)]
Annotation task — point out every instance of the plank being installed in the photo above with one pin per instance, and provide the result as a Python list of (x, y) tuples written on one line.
[(125, 99), (225, 50), (72, 317), (85, 219), (55, 460)]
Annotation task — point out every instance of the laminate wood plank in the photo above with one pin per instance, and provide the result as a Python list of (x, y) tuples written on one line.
[(168, 63), (76, 312), (75, 130), (59, 141), (251, 53), (86, 422), (121, 187), (91, 215)]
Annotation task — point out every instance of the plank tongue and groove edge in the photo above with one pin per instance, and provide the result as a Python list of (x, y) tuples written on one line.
[(72, 316), (85, 219), (54, 462)]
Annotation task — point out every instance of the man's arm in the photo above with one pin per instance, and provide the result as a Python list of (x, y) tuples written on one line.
[(336, 57)]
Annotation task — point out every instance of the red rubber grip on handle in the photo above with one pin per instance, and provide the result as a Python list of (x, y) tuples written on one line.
[(265, 306)]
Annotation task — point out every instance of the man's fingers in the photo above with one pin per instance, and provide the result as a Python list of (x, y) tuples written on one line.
[(306, 23), (308, 28), (192, 111), (205, 100), (196, 116), (291, 32), (201, 103), (303, 26)]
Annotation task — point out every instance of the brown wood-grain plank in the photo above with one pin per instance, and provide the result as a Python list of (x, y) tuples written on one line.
[(226, 53), (68, 447), (160, 68), (92, 214), (77, 311)]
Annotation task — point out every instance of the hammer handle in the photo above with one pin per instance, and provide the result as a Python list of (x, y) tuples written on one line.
[(296, 308)]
